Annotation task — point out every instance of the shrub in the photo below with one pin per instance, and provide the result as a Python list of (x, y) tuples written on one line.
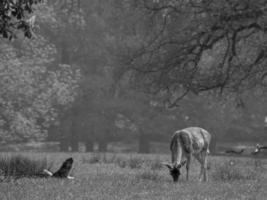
[(18, 166)]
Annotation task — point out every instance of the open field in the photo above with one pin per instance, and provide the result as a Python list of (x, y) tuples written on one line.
[(134, 176)]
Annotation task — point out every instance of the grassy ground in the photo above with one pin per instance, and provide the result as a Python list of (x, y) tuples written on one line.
[(132, 176)]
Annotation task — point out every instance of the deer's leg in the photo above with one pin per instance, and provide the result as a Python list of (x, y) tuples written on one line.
[(205, 165), (188, 157), (200, 160)]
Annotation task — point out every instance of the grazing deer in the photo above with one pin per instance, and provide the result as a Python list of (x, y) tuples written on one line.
[(63, 171), (185, 143)]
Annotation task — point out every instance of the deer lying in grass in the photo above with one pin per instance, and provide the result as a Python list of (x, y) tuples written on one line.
[(63, 171), (234, 151), (185, 143), (259, 148)]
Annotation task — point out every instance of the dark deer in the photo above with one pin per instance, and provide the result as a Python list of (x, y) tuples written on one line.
[(63, 171), (234, 151)]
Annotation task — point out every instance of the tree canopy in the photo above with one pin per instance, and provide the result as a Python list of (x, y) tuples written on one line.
[(105, 70), (34, 86), (15, 15), (206, 45)]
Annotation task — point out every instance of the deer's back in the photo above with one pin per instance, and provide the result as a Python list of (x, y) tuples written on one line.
[(194, 139)]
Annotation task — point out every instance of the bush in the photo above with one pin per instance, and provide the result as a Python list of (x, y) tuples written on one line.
[(228, 172), (18, 166)]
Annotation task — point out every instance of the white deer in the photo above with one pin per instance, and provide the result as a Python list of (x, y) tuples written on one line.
[(185, 143)]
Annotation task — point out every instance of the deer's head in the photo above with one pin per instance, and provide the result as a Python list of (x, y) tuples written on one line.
[(175, 170)]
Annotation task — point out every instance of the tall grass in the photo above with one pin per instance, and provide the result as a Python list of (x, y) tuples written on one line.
[(132, 162), (107, 179), (227, 172), (148, 174), (18, 166), (100, 158)]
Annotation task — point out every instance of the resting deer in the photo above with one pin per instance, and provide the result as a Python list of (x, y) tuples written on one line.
[(185, 143), (259, 148), (63, 171), (234, 151)]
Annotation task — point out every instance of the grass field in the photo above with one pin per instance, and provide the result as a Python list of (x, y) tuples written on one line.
[(134, 176)]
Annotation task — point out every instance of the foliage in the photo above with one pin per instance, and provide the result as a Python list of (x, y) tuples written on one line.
[(30, 90), (97, 39), (15, 15), (173, 48), (200, 46)]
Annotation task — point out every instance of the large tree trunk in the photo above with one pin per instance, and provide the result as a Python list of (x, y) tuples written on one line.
[(89, 144), (144, 143)]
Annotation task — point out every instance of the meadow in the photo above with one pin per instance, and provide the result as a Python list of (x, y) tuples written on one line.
[(136, 176)]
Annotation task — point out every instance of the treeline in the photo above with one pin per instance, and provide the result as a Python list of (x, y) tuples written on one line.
[(102, 71)]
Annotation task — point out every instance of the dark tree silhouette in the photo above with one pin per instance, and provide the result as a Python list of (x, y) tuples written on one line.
[(205, 45)]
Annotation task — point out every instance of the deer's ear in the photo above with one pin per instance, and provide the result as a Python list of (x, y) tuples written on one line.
[(167, 165), (182, 164)]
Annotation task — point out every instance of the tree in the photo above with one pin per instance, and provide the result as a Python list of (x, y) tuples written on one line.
[(31, 93), (84, 37), (15, 16), (199, 46)]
